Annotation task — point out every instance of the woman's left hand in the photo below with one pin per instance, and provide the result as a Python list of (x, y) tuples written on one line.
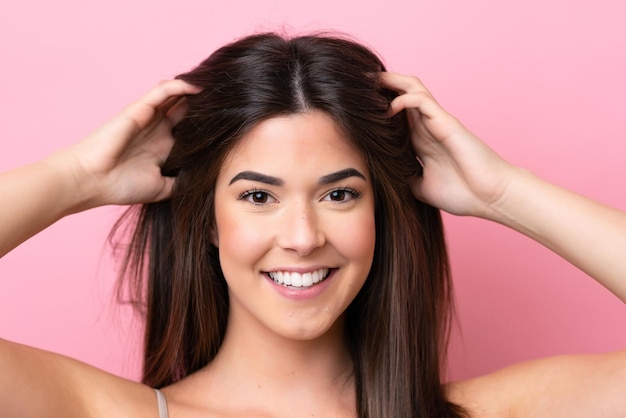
[(461, 174), (464, 176)]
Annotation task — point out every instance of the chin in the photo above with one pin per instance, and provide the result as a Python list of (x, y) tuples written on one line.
[(314, 330)]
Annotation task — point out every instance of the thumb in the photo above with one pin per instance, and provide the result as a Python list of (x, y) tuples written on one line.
[(166, 190), (417, 187)]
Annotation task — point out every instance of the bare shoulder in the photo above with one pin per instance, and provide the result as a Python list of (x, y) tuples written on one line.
[(37, 383), (564, 386)]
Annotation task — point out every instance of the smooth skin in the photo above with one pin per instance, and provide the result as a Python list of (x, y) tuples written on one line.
[(293, 196), (464, 177), (120, 164)]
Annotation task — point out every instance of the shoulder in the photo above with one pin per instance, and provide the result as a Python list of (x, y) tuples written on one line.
[(38, 383), (564, 386)]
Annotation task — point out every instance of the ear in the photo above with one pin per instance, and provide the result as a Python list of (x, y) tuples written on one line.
[(214, 237)]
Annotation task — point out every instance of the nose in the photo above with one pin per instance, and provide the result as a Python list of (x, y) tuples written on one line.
[(300, 231)]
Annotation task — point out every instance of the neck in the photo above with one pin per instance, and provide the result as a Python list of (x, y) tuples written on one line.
[(258, 355), (258, 372)]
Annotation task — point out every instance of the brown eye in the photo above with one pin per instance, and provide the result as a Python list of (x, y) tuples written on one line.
[(257, 197), (342, 195), (337, 195)]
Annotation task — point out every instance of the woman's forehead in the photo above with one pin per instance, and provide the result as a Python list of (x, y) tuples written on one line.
[(304, 140)]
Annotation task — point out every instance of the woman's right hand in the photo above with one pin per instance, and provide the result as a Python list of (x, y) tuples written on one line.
[(120, 163)]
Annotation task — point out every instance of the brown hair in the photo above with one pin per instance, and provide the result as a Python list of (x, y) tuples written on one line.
[(397, 326)]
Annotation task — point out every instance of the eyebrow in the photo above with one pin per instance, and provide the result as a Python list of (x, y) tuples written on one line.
[(340, 175), (254, 176), (275, 181)]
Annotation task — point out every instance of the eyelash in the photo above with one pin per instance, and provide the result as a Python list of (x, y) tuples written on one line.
[(355, 194), (248, 193)]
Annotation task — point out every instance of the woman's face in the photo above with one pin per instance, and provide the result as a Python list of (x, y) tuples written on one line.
[(294, 210)]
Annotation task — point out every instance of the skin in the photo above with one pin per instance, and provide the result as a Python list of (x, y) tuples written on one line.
[(119, 164), (300, 225), (279, 347), (465, 177)]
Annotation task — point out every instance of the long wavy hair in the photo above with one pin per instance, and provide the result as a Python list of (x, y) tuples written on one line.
[(397, 326)]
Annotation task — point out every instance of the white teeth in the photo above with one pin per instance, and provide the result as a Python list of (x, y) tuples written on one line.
[(297, 279), (307, 280)]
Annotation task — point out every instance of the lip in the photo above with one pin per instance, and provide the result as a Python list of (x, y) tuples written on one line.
[(301, 293), (301, 270)]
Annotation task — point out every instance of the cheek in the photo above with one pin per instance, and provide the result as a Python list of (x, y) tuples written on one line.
[(240, 239), (355, 237)]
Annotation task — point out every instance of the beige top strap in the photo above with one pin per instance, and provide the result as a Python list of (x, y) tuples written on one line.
[(162, 404)]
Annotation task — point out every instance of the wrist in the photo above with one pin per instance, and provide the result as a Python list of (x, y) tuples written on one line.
[(525, 205), (73, 185), (516, 195)]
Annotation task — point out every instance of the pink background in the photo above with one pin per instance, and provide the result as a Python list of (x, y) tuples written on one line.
[(542, 81)]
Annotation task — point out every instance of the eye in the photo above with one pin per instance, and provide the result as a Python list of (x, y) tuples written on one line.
[(256, 197), (342, 195)]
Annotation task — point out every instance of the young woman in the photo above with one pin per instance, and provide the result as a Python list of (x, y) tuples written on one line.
[(288, 251)]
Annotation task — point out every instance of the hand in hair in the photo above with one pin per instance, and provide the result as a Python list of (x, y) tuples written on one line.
[(462, 175), (122, 160), (120, 163)]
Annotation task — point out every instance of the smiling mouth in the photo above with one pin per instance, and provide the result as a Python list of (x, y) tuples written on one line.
[(299, 280)]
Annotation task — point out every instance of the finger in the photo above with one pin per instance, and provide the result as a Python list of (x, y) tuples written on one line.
[(168, 104), (177, 111), (416, 188), (402, 83), (166, 191), (165, 90), (161, 147), (421, 101), (158, 101)]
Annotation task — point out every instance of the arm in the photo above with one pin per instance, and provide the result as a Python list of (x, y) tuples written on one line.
[(588, 234), (565, 386), (117, 164), (37, 383), (463, 176)]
